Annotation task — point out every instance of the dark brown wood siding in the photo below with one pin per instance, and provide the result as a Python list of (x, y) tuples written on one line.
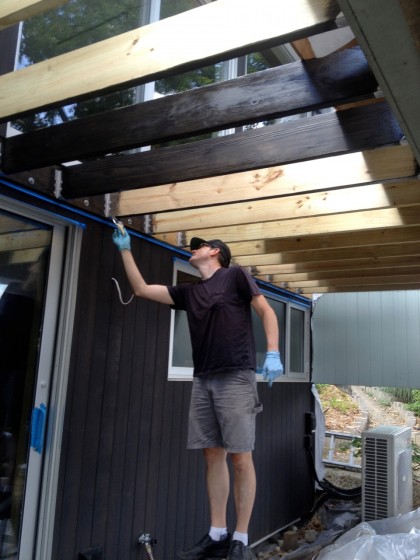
[(125, 469)]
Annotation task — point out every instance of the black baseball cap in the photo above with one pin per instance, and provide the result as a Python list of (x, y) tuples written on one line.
[(217, 244)]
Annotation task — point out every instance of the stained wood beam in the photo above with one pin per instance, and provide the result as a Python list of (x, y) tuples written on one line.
[(273, 93), (377, 25), (145, 54), (309, 138), (14, 11), (381, 164), (351, 199)]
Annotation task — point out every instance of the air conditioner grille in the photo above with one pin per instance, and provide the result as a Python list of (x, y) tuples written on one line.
[(376, 479)]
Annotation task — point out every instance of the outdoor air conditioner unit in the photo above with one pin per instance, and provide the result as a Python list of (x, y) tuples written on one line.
[(387, 478)]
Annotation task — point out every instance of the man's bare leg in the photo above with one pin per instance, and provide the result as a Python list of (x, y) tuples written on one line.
[(217, 484), (244, 488)]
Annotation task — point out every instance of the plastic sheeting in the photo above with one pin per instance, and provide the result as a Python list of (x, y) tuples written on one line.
[(395, 538)]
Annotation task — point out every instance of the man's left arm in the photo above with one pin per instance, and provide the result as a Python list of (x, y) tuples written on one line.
[(273, 367)]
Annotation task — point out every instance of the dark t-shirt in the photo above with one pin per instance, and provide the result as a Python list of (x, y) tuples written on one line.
[(220, 320)]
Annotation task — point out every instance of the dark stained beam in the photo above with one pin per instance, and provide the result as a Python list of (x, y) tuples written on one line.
[(319, 136), (278, 92)]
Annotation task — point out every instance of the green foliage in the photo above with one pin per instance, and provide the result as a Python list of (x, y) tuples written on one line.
[(414, 407), (411, 397), (334, 398), (356, 444), (401, 394)]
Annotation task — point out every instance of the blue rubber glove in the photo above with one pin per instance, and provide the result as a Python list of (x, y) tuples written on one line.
[(272, 367), (121, 241)]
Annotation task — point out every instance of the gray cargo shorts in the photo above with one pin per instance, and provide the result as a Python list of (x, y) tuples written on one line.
[(223, 409)]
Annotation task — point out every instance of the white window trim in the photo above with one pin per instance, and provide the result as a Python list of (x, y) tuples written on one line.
[(179, 373)]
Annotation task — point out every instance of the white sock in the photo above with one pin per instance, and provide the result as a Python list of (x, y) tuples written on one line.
[(243, 537), (216, 533)]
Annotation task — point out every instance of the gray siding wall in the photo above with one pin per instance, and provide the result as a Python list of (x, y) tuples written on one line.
[(367, 338)]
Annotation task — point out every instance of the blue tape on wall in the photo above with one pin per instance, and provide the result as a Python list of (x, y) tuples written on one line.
[(38, 422)]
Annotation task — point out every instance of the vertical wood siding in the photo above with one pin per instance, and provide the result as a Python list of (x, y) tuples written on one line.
[(367, 338), (125, 469)]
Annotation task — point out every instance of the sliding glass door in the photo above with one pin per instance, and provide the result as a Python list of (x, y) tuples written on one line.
[(33, 266)]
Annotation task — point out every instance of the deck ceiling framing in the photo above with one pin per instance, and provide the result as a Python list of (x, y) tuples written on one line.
[(325, 203)]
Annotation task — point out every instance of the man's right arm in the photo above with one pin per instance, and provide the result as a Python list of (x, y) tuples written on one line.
[(155, 292)]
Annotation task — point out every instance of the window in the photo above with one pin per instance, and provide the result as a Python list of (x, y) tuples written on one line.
[(180, 351), (294, 323)]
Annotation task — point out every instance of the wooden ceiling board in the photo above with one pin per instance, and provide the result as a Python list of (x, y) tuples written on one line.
[(318, 204)]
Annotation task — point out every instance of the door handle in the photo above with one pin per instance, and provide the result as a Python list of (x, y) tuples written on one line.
[(38, 421)]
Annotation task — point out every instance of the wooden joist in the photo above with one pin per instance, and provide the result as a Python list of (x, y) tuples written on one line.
[(401, 279), (323, 256), (321, 135), (273, 93), (369, 166), (350, 264), (351, 199), (307, 246), (344, 274), (363, 220), (309, 292), (14, 11), (150, 52)]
